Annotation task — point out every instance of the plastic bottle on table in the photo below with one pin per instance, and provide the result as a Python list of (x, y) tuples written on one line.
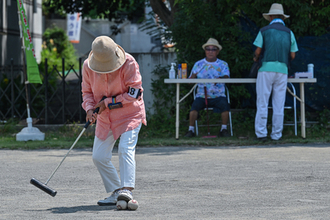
[(179, 71), (172, 72), (311, 68), (184, 71)]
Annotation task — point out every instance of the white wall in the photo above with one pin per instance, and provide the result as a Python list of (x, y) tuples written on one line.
[(36, 23), (131, 38), (147, 63)]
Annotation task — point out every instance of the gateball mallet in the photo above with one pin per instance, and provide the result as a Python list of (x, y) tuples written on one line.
[(43, 186), (207, 116)]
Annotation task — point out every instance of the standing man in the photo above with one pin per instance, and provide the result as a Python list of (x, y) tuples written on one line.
[(110, 72), (278, 45), (210, 68)]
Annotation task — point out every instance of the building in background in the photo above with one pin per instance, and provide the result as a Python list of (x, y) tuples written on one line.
[(10, 41), (145, 48), (127, 34)]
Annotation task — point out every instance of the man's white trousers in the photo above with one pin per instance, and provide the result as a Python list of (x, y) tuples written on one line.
[(270, 83), (102, 154)]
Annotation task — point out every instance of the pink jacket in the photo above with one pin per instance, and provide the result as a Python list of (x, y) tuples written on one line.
[(95, 86)]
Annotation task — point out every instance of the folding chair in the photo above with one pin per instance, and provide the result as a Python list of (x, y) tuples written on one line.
[(210, 109)]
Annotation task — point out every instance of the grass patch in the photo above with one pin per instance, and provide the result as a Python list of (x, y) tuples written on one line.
[(158, 134), (61, 138), (50, 142), (64, 137)]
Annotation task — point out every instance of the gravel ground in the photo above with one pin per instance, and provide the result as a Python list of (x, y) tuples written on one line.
[(254, 182)]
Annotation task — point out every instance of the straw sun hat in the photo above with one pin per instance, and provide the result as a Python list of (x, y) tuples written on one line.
[(106, 56), (212, 42), (275, 9)]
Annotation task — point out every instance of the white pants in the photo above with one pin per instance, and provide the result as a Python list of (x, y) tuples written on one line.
[(270, 83), (102, 154)]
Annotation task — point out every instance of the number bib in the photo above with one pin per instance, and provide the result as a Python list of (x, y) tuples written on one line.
[(134, 93)]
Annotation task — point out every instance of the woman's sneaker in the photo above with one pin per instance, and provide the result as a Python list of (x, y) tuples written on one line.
[(125, 194), (111, 200)]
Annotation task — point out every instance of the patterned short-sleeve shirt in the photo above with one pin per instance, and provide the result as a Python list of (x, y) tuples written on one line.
[(210, 70)]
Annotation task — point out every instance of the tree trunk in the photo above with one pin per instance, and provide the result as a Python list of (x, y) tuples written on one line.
[(165, 14)]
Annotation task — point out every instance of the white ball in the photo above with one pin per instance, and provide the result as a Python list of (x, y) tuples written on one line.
[(121, 205), (132, 205)]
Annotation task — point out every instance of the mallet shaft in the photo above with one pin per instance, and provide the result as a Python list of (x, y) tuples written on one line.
[(81, 133)]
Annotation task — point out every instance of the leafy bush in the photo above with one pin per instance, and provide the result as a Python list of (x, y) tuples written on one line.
[(160, 123), (322, 127), (9, 127), (56, 45), (55, 48)]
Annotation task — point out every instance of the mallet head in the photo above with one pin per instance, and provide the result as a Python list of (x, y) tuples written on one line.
[(43, 187)]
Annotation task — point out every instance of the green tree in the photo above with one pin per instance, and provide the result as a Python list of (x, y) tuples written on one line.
[(307, 18), (235, 24), (119, 10), (197, 20)]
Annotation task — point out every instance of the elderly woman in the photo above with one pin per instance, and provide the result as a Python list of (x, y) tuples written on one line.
[(111, 73)]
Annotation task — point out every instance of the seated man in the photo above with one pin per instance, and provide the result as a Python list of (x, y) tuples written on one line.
[(210, 68)]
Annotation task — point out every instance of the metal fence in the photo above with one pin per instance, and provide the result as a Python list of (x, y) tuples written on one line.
[(56, 101)]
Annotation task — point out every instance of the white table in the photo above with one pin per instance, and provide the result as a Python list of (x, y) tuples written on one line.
[(240, 80)]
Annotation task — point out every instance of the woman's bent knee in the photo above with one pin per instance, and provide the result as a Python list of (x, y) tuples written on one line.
[(100, 159)]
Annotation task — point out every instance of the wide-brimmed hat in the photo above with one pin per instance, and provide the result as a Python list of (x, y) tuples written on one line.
[(212, 42), (106, 56), (275, 9)]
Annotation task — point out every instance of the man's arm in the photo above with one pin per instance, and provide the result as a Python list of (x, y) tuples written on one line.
[(257, 54), (193, 76), (293, 55)]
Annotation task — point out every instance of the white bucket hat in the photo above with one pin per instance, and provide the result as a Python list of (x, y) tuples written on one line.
[(212, 42), (275, 9), (106, 56)]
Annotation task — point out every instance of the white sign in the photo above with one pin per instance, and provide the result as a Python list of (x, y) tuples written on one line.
[(73, 27)]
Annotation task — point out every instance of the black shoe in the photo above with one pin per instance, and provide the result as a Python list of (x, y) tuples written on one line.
[(277, 139), (190, 134), (224, 133), (262, 139)]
